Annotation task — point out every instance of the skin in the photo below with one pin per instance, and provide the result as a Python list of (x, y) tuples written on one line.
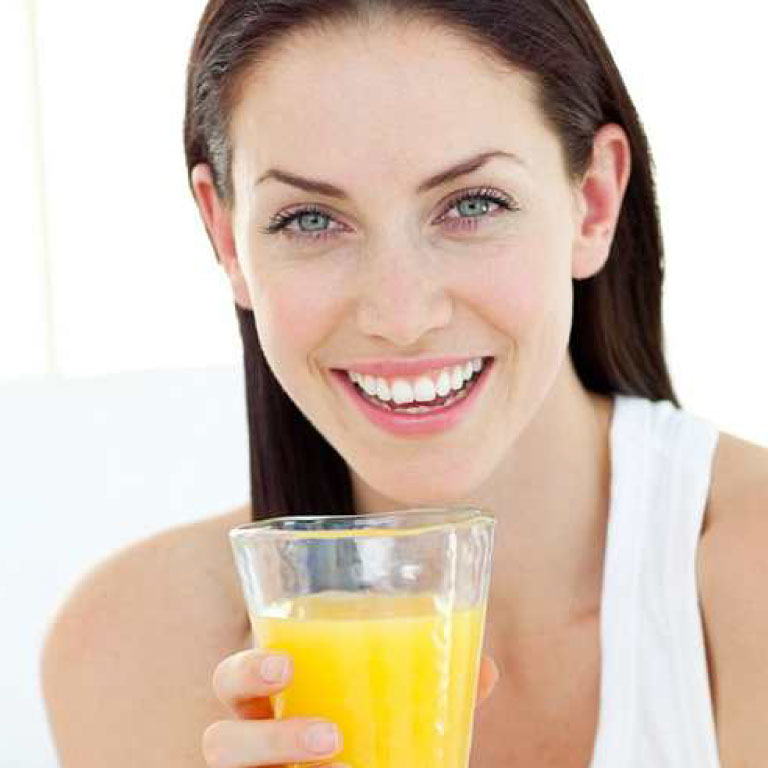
[(243, 682), (388, 106)]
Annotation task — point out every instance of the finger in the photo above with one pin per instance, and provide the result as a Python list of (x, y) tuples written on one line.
[(248, 743), (487, 679), (244, 681)]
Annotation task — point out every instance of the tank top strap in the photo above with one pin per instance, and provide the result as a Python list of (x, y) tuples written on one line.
[(655, 704)]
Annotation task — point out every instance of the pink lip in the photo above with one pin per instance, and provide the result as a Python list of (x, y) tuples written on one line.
[(402, 367), (414, 425)]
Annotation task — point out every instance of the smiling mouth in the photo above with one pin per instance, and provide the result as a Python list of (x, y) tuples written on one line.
[(437, 404)]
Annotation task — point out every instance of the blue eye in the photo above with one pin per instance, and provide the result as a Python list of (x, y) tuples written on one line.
[(469, 221)]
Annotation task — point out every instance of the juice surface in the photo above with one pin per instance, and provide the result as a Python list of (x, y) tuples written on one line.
[(398, 674)]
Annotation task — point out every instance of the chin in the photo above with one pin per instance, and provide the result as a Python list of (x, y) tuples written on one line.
[(413, 492)]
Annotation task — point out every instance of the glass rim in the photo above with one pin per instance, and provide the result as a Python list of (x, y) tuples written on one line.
[(348, 526)]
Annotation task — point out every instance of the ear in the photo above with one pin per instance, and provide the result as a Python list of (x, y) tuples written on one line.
[(218, 224), (600, 196)]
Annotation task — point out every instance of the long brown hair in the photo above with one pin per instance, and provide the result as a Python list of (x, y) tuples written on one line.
[(616, 341)]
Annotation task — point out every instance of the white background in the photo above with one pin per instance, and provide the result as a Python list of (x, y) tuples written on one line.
[(121, 403)]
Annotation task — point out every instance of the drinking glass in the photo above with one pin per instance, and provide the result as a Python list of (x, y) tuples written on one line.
[(384, 616)]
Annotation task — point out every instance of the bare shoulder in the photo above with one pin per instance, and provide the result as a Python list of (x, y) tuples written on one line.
[(740, 470), (129, 656), (732, 569)]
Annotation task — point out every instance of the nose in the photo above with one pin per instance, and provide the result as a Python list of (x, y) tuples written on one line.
[(403, 295)]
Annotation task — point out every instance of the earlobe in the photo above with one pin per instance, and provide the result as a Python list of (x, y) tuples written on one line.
[(602, 194), (218, 224)]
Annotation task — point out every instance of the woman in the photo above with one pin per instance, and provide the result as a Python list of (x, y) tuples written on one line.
[(412, 200)]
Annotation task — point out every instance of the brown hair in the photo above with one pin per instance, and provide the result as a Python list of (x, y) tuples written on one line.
[(616, 341)]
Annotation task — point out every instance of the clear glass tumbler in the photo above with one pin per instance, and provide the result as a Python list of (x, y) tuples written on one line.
[(384, 617)]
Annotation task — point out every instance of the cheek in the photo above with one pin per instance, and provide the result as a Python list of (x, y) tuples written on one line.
[(295, 313), (526, 294), (511, 292)]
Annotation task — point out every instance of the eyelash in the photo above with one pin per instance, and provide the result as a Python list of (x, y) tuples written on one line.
[(279, 223)]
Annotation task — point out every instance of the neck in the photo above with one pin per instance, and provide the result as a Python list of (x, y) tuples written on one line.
[(550, 495), (552, 510)]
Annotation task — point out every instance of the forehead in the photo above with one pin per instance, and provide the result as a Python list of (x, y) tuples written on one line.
[(396, 99)]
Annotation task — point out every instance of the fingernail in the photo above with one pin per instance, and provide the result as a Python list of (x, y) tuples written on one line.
[(321, 738), (274, 669)]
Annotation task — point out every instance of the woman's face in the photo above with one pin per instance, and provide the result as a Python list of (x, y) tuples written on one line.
[(393, 269)]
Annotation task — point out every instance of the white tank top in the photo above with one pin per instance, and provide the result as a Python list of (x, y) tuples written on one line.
[(655, 704)]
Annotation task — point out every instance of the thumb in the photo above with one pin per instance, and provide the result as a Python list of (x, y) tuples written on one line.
[(486, 679)]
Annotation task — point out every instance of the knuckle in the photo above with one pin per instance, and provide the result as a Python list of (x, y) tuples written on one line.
[(218, 682), (268, 742), (214, 745), (229, 674), (287, 737)]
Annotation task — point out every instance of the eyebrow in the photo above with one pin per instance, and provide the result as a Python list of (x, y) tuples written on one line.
[(465, 167)]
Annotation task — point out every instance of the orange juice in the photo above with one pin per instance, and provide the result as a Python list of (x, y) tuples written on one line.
[(397, 673)]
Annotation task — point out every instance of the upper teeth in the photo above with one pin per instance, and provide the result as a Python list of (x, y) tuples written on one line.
[(421, 389)]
